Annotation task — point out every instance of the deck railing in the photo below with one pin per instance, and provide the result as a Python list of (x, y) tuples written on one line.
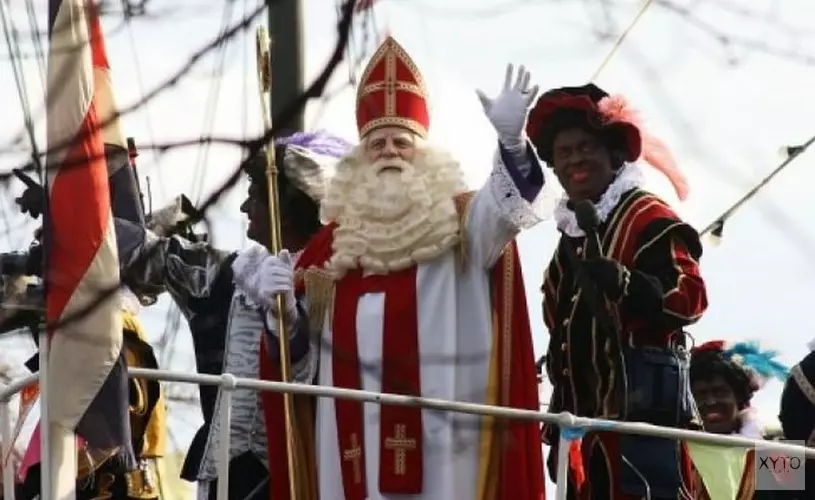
[(229, 383)]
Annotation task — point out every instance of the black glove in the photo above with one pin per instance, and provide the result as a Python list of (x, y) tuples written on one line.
[(612, 278), (32, 201)]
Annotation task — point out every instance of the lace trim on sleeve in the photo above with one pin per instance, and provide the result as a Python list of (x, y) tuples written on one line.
[(513, 207)]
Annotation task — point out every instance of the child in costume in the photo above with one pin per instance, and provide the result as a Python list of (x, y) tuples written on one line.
[(724, 380)]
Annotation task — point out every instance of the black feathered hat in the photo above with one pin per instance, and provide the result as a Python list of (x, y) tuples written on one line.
[(744, 365), (710, 360), (589, 106), (564, 107)]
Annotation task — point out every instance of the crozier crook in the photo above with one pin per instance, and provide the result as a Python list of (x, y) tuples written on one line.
[(265, 88)]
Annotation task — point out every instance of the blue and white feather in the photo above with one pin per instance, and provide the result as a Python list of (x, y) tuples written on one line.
[(762, 363)]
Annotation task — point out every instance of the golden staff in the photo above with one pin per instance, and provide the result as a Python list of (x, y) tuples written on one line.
[(265, 87)]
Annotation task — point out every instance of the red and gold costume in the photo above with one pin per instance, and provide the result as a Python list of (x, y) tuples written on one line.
[(665, 292)]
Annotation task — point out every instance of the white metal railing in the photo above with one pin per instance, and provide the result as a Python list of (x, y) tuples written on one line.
[(229, 383)]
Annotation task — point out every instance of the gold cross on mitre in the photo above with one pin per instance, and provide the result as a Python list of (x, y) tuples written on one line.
[(392, 92)]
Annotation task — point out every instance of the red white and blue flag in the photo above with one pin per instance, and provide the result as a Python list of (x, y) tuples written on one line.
[(87, 376)]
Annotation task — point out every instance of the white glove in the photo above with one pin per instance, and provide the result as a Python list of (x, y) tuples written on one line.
[(261, 276), (244, 270), (509, 110), (276, 276)]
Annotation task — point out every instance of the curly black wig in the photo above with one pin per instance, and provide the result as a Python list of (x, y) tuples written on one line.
[(613, 138), (578, 108), (708, 364)]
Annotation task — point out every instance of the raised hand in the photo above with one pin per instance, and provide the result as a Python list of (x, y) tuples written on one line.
[(508, 110)]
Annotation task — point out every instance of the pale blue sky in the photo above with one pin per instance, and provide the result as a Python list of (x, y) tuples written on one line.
[(724, 121)]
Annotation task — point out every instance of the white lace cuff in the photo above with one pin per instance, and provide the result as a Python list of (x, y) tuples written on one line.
[(513, 208)]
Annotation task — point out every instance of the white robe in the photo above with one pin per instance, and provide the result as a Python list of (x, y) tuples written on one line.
[(455, 341)]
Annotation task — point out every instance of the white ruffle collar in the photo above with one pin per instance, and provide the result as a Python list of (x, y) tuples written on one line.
[(629, 177), (751, 426)]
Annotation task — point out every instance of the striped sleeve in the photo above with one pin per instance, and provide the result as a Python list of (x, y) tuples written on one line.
[(666, 283)]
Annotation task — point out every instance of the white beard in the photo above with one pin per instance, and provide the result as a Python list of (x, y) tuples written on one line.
[(388, 221)]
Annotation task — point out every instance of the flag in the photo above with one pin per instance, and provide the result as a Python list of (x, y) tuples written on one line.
[(124, 189), (87, 377), (720, 467)]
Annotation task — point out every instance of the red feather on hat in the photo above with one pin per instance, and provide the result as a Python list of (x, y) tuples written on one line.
[(616, 109)]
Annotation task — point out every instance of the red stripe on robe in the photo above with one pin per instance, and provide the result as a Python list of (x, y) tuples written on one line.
[(316, 253), (521, 461)]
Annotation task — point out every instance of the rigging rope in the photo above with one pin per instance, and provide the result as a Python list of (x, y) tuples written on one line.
[(792, 155), (128, 21), (354, 64), (31, 14), (19, 80), (620, 40), (213, 95), (16, 59), (173, 319)]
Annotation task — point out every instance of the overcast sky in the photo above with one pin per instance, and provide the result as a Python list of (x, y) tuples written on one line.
[(724, 83)]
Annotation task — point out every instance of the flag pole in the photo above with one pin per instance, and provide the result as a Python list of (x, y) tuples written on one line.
[(265, 87), (45, 415)]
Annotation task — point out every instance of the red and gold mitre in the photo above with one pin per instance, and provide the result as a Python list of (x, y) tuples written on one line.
[(392, 92)]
